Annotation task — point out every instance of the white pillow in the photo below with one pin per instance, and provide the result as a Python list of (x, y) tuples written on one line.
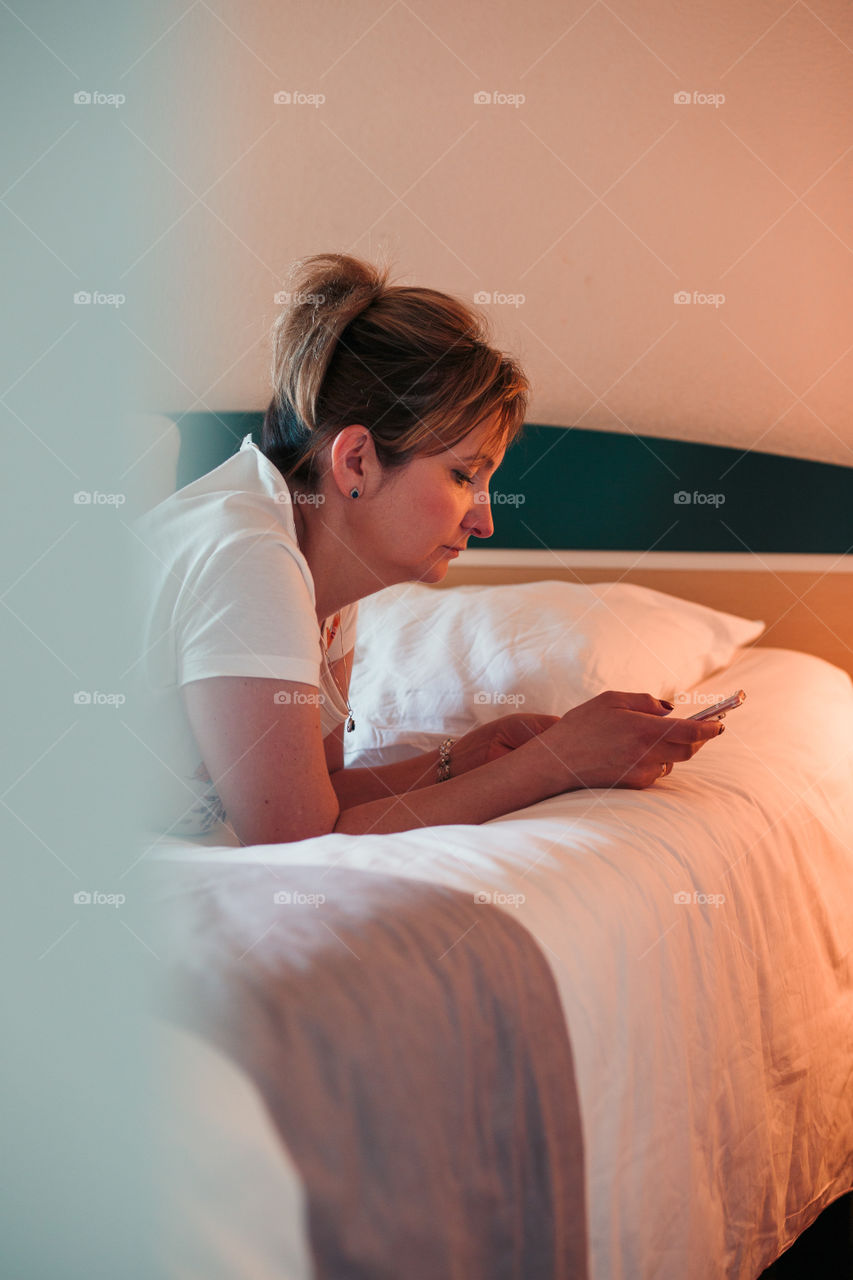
[(434, 662)]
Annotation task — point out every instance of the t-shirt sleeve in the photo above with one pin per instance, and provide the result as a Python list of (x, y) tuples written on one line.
[(248, 611)]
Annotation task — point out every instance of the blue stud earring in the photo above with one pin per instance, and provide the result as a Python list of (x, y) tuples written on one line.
[(354, 493)]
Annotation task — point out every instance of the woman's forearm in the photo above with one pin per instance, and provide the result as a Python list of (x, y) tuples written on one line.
[(522, 777), (359, 786)]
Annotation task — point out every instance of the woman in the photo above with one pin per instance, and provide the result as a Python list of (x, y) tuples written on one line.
[(390, 416)]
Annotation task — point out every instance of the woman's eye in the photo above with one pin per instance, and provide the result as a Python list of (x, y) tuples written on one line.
[(463, 479)]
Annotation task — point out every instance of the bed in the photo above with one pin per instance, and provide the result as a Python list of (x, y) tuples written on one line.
[(677, 1008)]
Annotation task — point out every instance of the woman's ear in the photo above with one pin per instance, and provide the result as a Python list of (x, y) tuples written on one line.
[(353, 461)]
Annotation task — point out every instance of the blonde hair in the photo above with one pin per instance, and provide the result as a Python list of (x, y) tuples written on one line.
[(412, 365)]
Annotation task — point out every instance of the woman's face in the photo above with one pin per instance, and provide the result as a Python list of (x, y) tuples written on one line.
[(433, 505)]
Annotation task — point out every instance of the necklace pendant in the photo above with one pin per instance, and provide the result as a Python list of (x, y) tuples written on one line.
[(350, 725)]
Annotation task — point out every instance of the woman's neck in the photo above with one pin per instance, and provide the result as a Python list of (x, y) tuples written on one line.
[(326, 604)]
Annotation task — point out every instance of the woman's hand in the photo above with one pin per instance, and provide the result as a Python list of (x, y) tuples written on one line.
[(613, 740), (491, 741), (622, 740)]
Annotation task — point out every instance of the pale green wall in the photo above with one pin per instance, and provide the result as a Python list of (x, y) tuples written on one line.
[(76, 209)]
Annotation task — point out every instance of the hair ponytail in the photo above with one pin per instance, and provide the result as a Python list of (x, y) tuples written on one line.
[(412, 365)]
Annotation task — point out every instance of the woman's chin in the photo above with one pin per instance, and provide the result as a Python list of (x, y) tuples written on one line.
[(436, 572)]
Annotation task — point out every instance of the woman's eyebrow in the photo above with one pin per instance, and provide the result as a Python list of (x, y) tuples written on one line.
[(479, 457)]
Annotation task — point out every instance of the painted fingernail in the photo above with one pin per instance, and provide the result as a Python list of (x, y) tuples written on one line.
[(668, 705)]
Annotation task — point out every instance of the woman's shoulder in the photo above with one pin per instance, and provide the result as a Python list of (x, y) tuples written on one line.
[(244, 497), (222, 543)]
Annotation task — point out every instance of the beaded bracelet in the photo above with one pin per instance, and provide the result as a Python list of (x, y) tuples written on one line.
[(444, 759)]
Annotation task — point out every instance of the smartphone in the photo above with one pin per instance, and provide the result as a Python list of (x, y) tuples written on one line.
[(719, 709)]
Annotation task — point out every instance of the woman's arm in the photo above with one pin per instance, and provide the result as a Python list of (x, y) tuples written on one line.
[(360, 786), (263, 748), (486, 742), (530, 773), (613, 740), (261, 743)]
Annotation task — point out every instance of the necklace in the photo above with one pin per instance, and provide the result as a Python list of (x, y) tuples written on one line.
[(330, 635)]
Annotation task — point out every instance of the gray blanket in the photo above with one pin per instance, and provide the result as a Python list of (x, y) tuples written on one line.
[(411, 1050)]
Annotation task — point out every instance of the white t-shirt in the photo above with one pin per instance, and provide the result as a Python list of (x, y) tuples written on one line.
[(226, 592)]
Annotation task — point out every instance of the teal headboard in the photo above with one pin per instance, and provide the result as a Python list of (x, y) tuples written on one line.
[(562, 487)]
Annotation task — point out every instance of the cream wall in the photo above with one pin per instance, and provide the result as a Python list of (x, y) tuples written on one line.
[(597, 198)]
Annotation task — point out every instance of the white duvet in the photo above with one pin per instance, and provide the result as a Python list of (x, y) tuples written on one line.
[(701, 937)]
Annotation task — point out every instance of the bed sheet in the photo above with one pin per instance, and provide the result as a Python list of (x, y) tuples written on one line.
[(700, 936), (416, 1084)]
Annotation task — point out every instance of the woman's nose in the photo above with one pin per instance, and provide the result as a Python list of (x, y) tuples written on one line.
[(479, 519)]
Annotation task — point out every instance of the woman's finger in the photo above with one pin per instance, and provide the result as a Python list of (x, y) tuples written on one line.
[(645, 702), (690, 732)]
